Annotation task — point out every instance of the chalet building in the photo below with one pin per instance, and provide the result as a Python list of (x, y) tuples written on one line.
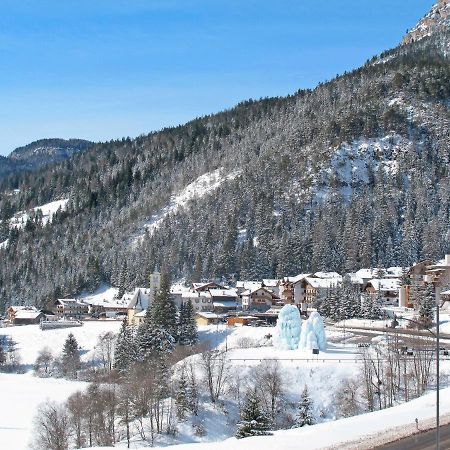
[(23, 315), (242, 286), (201, 301), (224, 300), (272, 285), (209, 318), (259, 299), (292, 288), (313, 287), (70, 308), (386, 288)]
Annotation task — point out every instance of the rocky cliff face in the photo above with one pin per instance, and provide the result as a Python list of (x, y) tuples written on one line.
[(438, 19)]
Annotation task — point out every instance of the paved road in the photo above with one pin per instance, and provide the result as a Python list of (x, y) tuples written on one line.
[(422, 441)]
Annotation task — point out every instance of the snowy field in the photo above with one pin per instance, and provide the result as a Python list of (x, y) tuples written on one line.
[(31, 339), (20, 396)]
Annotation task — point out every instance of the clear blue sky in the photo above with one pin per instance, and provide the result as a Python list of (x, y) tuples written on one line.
[(103, 69)]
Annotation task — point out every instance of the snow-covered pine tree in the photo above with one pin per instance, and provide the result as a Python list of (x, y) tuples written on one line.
[(163, 312), (125, 351), (187, 327), (182, 395), (304, 414), (427, 306), (253, 421), (70, 358)]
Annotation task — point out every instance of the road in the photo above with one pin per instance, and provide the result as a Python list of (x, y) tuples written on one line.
[(422, 441)]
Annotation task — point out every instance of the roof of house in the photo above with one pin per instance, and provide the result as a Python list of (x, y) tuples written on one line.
[(27, 314), (223, 293), (138, 297), (70, 302), (210, 315), (323, 283), (271, 282), (297, 278), (225, 304), (248, 285), (204, 286), (385, 284), (251, 291), (328, 275)]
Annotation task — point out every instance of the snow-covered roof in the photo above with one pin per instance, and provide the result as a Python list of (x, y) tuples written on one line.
[(70, 302), (223, 293), (248, 285), (192, 294), (365, 273), (203, 286), (139, 297), (210, 315), (27, 314), (328, 275), (299, 277), (355, 279), (251, 291), (395, 272), (323, 283), (225, 304), (16, 308), (385, 284), (271, 283), (141, 313)]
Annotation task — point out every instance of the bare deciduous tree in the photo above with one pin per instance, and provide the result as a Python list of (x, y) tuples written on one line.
[(52, 427)]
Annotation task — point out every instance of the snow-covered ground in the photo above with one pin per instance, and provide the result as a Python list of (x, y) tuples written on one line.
[(31, 339), (20, 395), (104, 295), (48, 211), (338, 433), (203, 185)]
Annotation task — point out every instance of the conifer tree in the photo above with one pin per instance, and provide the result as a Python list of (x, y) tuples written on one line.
[(304, 412), (182, 395), (427, 305), (163, 312), (125, 352), (187, 327), (70, 359), (253, 421)]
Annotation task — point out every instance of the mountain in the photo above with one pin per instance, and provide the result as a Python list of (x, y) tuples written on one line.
[(41, 153), (351, 174), (437, 20)]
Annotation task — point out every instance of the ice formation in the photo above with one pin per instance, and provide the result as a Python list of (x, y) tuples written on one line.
[(288, 328), (313, 333)]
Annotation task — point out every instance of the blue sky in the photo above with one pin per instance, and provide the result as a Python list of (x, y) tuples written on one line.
[(102, 69)]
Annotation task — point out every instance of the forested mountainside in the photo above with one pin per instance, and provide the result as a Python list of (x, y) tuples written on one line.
[(40, 153), (354, 173)]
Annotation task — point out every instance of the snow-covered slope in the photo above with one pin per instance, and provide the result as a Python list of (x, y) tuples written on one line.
[(203, 185), (351, 433), (48, 211), (354, 163)]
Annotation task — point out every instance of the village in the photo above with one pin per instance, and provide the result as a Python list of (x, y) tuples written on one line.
[(246, 302)]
